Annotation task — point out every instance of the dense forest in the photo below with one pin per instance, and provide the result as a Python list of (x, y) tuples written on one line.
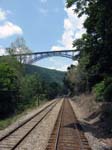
[(45, 74), (93, 74), (23, 86)]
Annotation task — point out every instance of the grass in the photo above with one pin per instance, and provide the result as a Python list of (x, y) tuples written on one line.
[(8, 121)]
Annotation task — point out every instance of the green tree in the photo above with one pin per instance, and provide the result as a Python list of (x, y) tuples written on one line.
[(95, 46), (9, 88), (30, 90), (53, 90)]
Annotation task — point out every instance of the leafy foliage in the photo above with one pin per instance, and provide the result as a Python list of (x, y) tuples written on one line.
[(95, 48), (23, 86), (20, 90), (99, 90), (9, 88)]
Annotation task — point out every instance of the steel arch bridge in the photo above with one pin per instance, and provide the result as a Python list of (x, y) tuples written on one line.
[(29, 58)]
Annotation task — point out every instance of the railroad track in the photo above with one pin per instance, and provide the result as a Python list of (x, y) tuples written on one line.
[(14, 138), (66, 134)]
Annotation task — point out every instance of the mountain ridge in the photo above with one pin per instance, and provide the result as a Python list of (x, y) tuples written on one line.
[(50, 75)]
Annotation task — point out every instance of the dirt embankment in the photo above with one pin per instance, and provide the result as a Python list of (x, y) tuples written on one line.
[(95, 118)]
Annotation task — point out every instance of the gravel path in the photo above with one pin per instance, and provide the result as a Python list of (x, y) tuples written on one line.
[(39, 137), (96, 144), (22, 119)]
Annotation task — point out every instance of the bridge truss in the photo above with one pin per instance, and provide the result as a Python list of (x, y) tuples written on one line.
[(29, 58)]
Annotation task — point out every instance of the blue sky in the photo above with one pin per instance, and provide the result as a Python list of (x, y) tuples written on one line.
[(46, 25)]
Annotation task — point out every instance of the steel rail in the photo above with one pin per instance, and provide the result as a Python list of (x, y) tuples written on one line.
[(18, 143), (28, 120), (59, 132), (23, 123), (59, 127), (78, 134)]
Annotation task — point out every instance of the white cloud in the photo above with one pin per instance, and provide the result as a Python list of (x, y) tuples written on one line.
[(73, 29), (52, 68), (57, 48), (43, 1), (3, 14), (60, 68), (75, 63), (57, 64), (9, 29), (2, 51)]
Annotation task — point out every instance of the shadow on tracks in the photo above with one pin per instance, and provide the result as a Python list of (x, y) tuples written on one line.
[(97, 129)]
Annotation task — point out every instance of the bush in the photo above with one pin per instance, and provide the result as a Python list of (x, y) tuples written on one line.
[(103, 90), (98, 89), (108, 93)]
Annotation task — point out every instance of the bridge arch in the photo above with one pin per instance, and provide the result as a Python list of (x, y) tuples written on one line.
[(40, 57), (33, 57), (29, 58)]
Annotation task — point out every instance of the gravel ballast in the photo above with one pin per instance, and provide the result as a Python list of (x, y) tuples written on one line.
[(95, 143), (22, 119), (39, 137)]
